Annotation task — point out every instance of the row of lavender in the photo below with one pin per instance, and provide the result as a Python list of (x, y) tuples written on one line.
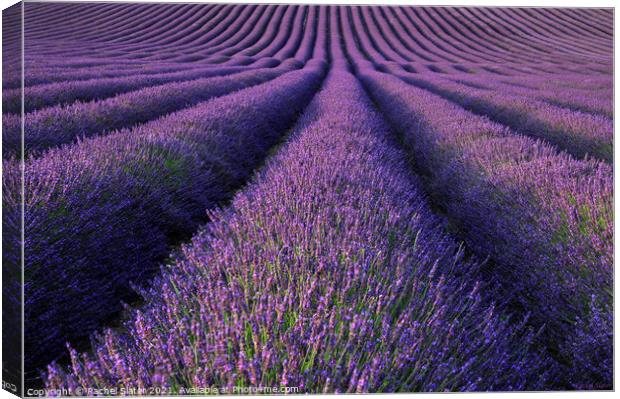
[(279, 24), (60, 124), (186, 33), (60, 112)]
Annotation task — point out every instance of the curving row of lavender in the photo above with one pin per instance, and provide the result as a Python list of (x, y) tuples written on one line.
[(573, 97), (440, 216), (580, 134), (60, 124), (46, 95)]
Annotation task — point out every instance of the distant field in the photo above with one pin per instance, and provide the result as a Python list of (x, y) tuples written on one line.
[(356, 199)]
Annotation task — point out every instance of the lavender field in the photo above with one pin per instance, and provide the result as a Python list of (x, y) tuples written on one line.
[(326, 199)]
